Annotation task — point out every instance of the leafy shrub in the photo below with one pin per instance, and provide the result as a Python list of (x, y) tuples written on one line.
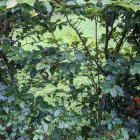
[(105, 105)]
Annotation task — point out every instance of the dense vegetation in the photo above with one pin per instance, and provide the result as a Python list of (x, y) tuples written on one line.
[(91, 84)]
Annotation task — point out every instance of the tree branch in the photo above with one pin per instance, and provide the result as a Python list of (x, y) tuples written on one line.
[(118, 46), (85, 46), (106, 51)]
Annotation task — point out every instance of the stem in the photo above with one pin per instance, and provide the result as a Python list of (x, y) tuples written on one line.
[(106, 51), (97, 51)]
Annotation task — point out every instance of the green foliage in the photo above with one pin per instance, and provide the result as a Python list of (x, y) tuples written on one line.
[(104, 105)]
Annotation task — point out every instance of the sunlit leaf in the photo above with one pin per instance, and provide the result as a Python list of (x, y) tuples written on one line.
[(106, 2), (125, 133), (11, 4), (30, 2), (41, 66), (127, 5)]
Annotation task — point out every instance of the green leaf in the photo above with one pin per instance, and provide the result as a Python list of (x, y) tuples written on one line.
[(114, 92), (15, 58), (33, 73), (71, 2), (135, 69), (125, 134), (46, 1), (25, 88), (117, 121), (6, 109), (63, 125), (33, 13), (119, 89), (48, 8), (80, 1), (79, 56), (84, 110), (40, 47), (106, 2), (30, 2), (106, 87), (80, 138), (50, 129), (57, 112), (36, 137), (127, 5), (109, 77), (45, 127), (11, 3), (41, 66), (49, 118), (3, 3), (2, 98)]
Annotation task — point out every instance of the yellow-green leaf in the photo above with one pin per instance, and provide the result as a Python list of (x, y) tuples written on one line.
[(127, 5)]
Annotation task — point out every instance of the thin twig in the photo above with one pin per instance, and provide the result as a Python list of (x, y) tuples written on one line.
[(97, 51), (106, 51)]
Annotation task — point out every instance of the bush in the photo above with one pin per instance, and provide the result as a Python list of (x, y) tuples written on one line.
[(105, 105)]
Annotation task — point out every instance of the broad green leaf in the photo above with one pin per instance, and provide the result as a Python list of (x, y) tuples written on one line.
[(21, 117), (113, 92), (33, 13), (30, 2), (80, 1), (63, 125), (33, 73), (2, 87), (15, 58), (46, 1), (114, 113), (119, 89), (25, 88), (11, 3), (6, 109), (39, 131), (117, 121), (45, 127), (41, 66), (137, 59), (84, 110), (21, 1), (127, 5), (2, 98), (49, 118), (36, 137), (79, 55), (48, 7), (57, 112), (2, 3), (109, 77), (125, 134), (131, 1), (80, 138), (50, 129), (71, 3), (135, 69), (106, 87), (106, 2)]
